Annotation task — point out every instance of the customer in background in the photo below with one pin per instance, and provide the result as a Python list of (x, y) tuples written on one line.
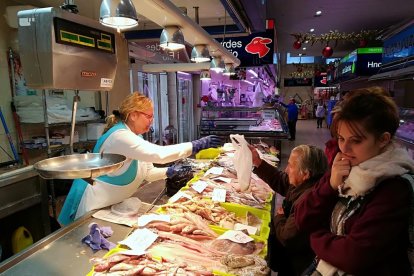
[(358, 214), (293, 112), (320, 114), (290, 251), (122, 135)]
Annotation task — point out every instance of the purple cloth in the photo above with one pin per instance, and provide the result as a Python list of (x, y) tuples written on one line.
[(96, 239)]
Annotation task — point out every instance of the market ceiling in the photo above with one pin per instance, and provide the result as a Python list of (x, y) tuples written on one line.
[(293, 16)]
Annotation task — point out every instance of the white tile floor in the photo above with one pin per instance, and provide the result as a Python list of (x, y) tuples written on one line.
[(306, 133)]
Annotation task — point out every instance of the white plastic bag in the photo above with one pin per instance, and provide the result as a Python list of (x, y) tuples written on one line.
[(242, 161)]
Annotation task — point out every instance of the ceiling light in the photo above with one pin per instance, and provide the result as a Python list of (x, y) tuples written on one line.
[(318, 13), (172, 38), (312, 30), (200, 53), (300, 55), (205, 75), (253, 72), (120, 14), (306, 41), (229, 69), (217, 64), (304, 48)]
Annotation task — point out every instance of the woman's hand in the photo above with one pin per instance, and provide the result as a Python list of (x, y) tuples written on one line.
[(256, 160), (340, 170)]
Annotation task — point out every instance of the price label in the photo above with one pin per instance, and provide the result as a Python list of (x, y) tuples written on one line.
[(250, 229), (199, 186), (179, 195), (214, 170), (145, 219), (236, 236), (219, 195), (132, 252), (140, 239)]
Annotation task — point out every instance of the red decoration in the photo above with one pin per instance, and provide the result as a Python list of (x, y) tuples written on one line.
[(205, 98), (363, 43), (327, 51), (297, 44)]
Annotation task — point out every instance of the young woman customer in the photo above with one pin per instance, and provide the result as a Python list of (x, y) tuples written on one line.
[(358, 214)]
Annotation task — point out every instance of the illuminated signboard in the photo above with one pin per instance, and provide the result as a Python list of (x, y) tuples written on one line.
[(74, 34)]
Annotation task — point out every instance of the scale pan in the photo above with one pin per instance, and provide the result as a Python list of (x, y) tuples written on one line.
[(88, 165)]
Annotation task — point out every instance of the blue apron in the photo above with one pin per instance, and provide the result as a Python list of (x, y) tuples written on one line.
[(70, 207)]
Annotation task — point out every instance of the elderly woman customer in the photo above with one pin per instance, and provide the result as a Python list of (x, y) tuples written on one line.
[(290, 251), (358, 214)]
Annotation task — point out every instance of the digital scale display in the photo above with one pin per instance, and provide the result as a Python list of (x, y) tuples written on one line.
[(74, 34)]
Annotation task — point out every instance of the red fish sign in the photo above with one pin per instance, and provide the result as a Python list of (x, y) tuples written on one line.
[(258, 46)]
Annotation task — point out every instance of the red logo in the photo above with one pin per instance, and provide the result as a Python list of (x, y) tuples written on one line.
[(258, 46), (324, 80)]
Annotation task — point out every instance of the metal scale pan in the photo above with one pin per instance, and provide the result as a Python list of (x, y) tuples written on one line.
[(87, 165)]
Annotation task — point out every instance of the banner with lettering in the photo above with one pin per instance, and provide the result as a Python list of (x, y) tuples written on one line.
[(253, 50)]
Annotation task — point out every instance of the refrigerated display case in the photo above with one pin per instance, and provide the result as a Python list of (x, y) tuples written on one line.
[(255, 123), (405, 133)]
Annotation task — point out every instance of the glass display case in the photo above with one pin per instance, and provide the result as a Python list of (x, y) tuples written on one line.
[(405, 133), (252, 122)]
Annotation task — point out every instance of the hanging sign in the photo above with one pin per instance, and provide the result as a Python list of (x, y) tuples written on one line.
[(399, 46), (253, 50)]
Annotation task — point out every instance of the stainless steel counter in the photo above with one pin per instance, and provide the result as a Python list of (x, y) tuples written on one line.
[(62, 252)]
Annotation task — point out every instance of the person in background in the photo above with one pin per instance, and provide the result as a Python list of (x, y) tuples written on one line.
[(290, 251), (122, 135), (293, 112), (358, 214), (320, 114)]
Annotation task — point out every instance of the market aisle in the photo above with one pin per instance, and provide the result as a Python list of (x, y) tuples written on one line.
[(306, 133)]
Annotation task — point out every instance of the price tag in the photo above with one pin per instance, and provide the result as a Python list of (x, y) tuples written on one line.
[(134, 252), (179, 195), (236, 236), (145, 219), (219, 195), (222, 179), (199, 186), (214, 170), (250, 229), (140, 239)]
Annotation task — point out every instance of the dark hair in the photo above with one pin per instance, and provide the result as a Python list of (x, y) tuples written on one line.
[(373, 108)]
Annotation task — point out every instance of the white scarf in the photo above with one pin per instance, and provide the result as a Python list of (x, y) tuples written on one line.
[(364, 177)]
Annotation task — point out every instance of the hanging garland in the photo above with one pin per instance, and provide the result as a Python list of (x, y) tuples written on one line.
[(334, 36)]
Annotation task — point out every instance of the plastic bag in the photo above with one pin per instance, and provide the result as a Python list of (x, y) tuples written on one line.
[(128, 207), (242, 161)]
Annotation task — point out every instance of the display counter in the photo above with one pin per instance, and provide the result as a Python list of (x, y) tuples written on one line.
[(255, 123), (405, 132), (63, 253)]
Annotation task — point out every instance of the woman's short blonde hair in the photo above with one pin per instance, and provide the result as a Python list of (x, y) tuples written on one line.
[(133, 102)]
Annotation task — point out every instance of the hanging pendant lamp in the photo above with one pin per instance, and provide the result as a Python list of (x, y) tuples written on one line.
[(172, 38), (200, 53), (120, 14), (217, 64), (205, 75), (229, 69)]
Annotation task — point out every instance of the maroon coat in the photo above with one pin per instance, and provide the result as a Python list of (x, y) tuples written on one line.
[(376, 236)]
